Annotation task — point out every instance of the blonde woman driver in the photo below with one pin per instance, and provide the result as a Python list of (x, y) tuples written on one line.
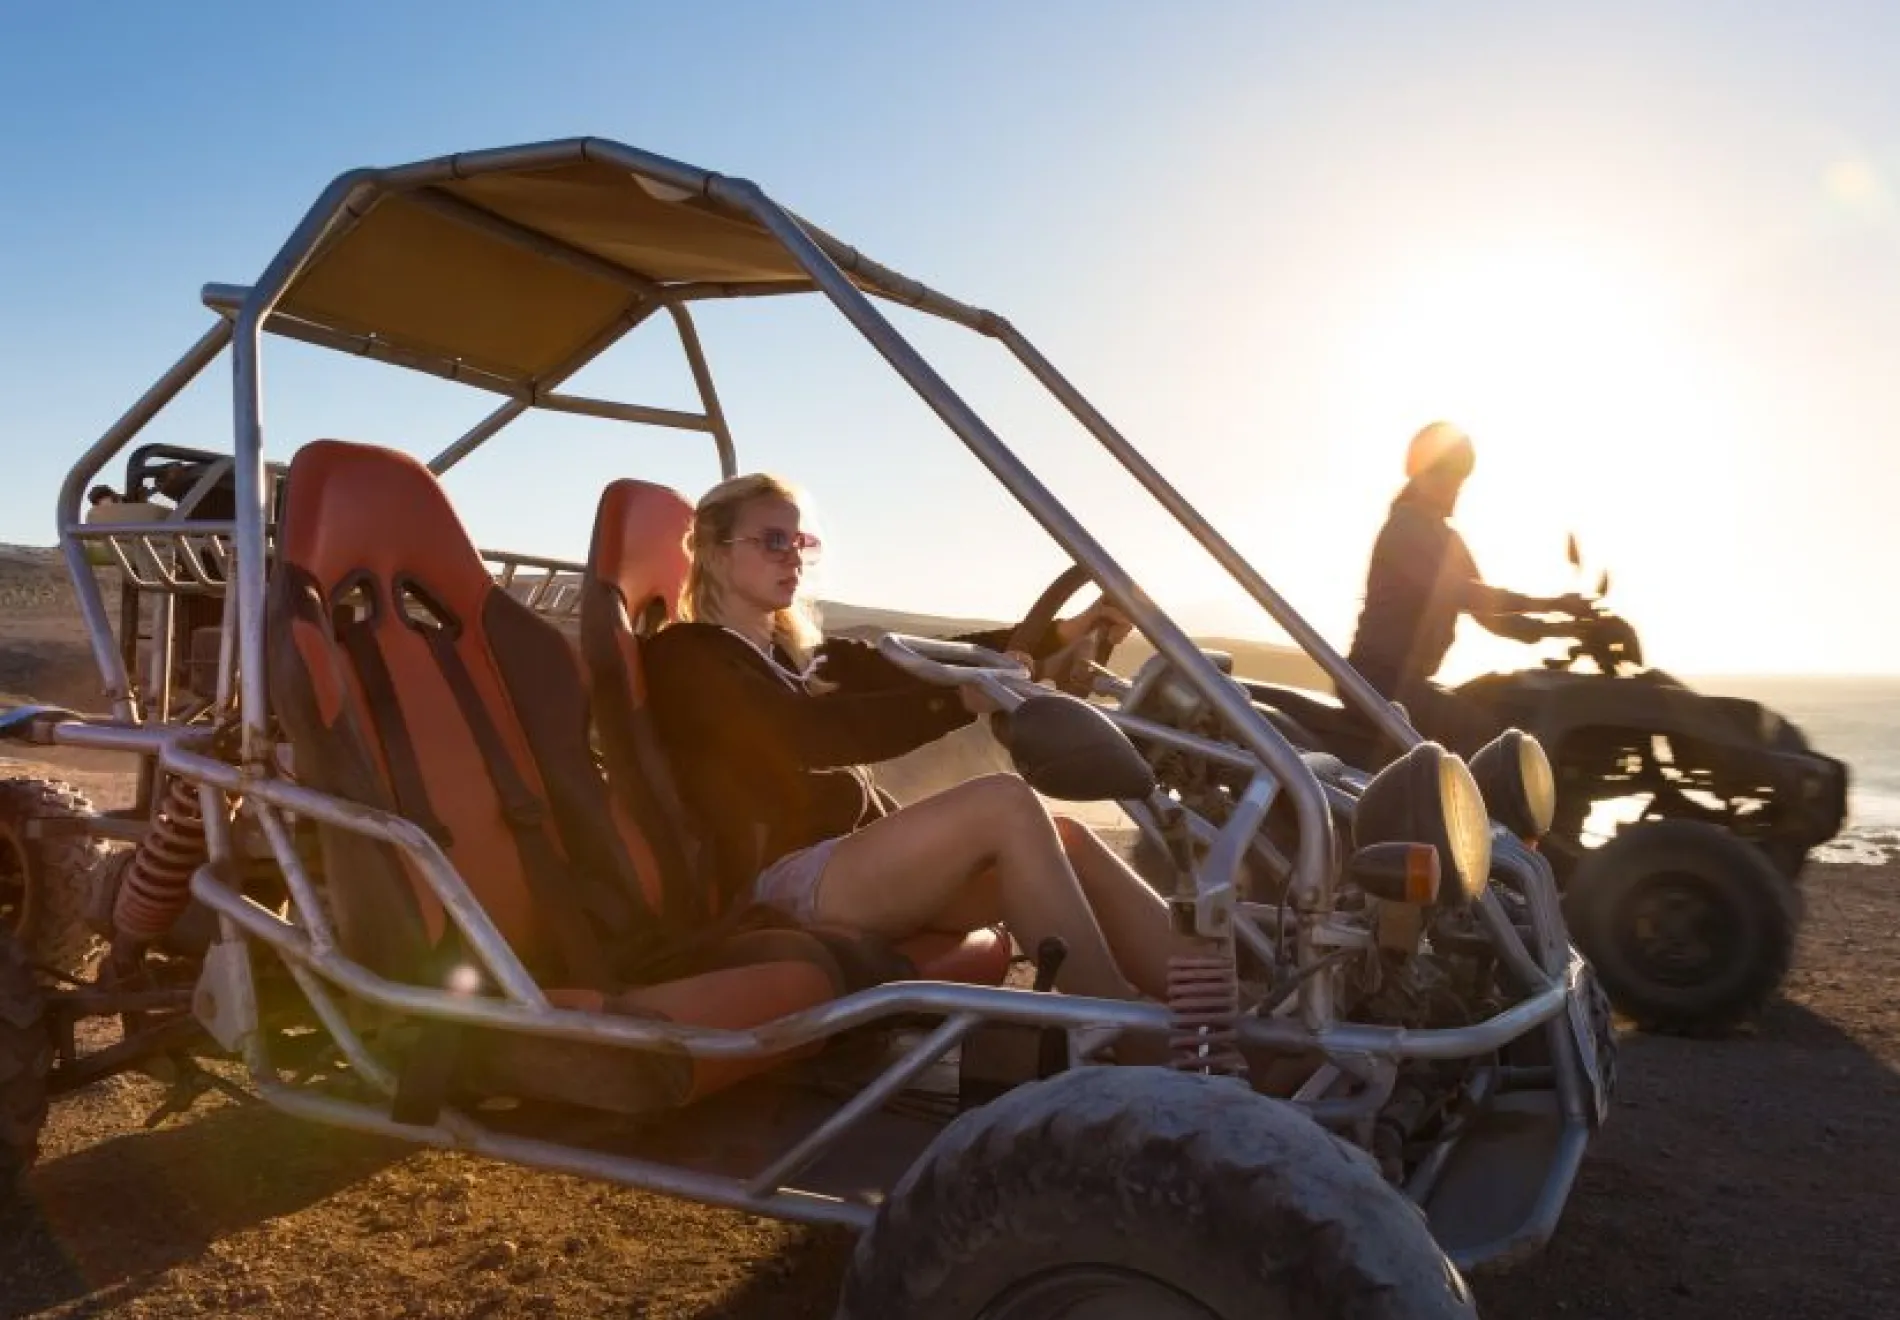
[(768, 725)]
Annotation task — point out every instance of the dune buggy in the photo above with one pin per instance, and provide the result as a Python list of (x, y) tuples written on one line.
[(407, 847)]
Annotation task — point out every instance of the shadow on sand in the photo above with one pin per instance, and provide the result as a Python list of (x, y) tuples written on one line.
[(1741, 1178), (102, 1221), (1738, 1179)]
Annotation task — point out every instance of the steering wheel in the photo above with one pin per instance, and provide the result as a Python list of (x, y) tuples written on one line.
[(1068, 668), (944, 662)]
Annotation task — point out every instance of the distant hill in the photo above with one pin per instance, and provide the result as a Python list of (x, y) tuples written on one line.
[(1265, 661), (44, 656)]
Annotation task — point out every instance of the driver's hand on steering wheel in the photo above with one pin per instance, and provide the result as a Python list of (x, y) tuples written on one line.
[(1102, 613)]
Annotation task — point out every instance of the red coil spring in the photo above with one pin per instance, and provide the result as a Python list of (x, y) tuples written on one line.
[(156, 886), (1204, 1008)]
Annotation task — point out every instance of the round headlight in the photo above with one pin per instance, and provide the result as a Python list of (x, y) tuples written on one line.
[(1467, 826), (1429, 796), (1513, 773)]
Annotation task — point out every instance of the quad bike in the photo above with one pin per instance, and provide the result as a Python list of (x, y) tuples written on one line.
[(1689, 911), (406, 845)]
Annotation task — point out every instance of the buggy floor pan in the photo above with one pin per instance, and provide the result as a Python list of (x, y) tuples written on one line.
[(1500, 1191), (740, 1133)]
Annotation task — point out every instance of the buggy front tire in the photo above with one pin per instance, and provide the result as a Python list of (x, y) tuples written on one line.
[(1108, 1192), (26, 1056), (46, 875)]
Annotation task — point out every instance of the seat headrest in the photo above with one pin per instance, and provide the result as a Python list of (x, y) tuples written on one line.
[(352, 508), (639, 546)]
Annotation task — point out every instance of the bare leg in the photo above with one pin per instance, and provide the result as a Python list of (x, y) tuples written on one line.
[(900, 875), (1133, 917)]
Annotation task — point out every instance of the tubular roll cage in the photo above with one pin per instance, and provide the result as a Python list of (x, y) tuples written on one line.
[(851, 282)]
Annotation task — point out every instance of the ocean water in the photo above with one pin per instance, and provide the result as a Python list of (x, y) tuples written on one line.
[(1856, 720)]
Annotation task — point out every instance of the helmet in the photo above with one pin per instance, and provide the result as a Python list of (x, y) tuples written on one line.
[(1439, 444)]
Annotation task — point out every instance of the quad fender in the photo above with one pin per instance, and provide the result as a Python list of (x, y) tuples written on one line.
[(1733, 738)]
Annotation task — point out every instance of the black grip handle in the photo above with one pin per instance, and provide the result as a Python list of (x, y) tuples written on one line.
[(1049, 955), (1052, 1046)]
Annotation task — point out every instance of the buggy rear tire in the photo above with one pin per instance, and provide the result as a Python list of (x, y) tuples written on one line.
[(46, 878), (1106, 1192), (1631, 905), (26, 1056)]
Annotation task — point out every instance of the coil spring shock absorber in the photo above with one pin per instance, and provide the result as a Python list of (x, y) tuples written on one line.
[(1203, 984), (156, 885), (1204, 1008)]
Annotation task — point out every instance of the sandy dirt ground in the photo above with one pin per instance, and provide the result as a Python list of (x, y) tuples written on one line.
[(1738, 1179)]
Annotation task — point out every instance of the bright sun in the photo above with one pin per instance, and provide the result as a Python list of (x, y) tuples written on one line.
[(1590, 413)]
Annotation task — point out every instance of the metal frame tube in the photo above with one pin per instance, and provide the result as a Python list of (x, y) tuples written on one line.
[(179, 539), (1504, 938), (489, 160), (640, 414), (365, 1063), (1349, 681), (438, 872), (860, 1106), (1312, 867), (92, 606), (296, 878), (861, 1008), (484, 221), (768, 1040), (649, 1175), (1405, 1043), (711, 290), (129, 736), (487, 428), (477, 435), (1548, 1209), (512, 560), (228, 299), (703, 381), (335, 211)]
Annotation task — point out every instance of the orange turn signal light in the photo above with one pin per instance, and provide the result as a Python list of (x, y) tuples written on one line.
[(1421, 873), (1399, 872)]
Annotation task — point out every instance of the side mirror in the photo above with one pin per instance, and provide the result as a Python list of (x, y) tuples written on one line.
[(1065, 748)]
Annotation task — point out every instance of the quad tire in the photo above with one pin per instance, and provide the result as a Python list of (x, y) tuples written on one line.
[(46, 877), (1107, 1192), (26, 1056), (1690, 928)]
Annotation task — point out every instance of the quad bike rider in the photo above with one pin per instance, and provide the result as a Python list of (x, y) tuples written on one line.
[(1688, 913), (1422, 577)]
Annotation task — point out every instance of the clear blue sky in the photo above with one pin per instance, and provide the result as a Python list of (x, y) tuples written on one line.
[(1647, 253)]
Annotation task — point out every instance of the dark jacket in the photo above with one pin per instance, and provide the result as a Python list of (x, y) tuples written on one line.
[(765, 767), (1421, 578)]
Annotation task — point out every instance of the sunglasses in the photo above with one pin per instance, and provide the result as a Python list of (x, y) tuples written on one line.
[(779, 543)]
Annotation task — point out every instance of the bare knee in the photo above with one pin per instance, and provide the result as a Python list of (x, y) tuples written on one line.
[(1006, 797), (1004, 812)]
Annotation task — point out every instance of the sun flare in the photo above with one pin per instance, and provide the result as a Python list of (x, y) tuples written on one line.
[(1590, 409)]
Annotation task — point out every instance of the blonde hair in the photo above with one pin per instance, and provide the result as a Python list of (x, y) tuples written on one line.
[(796, 627)]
